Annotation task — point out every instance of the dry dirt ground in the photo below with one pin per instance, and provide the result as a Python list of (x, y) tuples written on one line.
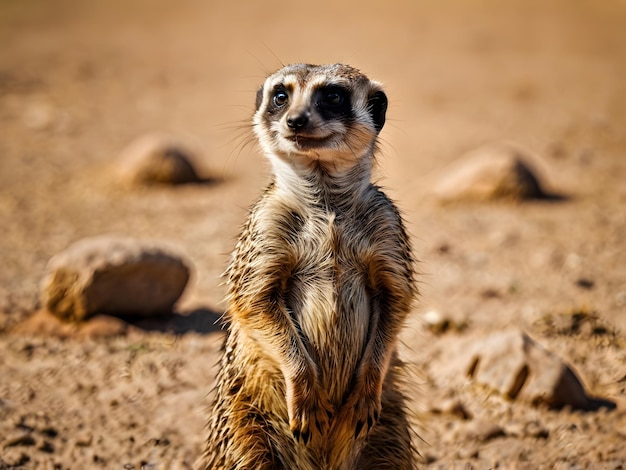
[(79, 80)]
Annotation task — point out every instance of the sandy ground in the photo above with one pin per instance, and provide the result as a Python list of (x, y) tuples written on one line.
[(79, 80)]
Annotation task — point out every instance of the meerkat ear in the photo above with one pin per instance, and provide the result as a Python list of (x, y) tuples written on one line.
[(259, 97), (377, 107)]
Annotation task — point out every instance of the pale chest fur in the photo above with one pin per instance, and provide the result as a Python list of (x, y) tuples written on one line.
[(329, 300)]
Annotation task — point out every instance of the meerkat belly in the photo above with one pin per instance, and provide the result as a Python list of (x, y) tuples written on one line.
[(330, 304)]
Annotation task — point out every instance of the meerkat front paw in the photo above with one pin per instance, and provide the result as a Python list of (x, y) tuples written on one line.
[(309, 414)]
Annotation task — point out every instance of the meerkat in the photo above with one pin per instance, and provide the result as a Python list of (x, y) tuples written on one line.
[(319, 286)]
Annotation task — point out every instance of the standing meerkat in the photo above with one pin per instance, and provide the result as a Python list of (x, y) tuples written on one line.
[(319, 286)]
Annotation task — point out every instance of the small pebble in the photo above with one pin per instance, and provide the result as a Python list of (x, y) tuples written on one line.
[(21, 439)]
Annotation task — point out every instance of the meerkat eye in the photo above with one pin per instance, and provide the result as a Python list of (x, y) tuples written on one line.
[(334, 98), (280, 99)]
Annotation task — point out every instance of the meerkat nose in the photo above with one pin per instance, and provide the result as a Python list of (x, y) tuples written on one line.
[(298, 121)]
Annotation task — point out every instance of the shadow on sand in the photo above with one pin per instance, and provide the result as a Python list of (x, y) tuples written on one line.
[(201, 320), (43, 323)]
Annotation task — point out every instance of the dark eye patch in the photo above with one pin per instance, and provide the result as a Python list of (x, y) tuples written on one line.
[(333, 101)]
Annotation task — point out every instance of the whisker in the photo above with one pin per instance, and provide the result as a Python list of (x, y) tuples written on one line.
[(239, 136), (273, 53)]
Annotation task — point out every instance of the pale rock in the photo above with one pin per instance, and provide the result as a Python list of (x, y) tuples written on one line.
[(14, 458), (483, 431), (494, 172), (158, 159), (44, 323), (516, 366), (114, 275), (435, 322), (438, 324), (20, 438), (536, 430), (452, 407)]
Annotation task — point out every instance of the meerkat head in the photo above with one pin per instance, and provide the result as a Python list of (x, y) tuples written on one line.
[(329, 114)]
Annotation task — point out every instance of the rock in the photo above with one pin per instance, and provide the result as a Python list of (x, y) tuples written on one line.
[(102, 326), (439, 324), (483, 431), (435, 322), (83, 439), (113, 275), (536, 430), (452, 407), (158, 159), (494, 172), (44, 323), (519, 368), (13, 458), (19, 439)]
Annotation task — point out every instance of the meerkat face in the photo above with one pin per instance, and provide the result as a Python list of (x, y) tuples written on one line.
[(328, 113)]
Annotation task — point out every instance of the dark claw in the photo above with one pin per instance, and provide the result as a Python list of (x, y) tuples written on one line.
[(369, 423), (305, 437), (296, 434), (359, 426)]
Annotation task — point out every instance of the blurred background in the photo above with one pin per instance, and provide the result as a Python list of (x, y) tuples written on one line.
[(81, 80)]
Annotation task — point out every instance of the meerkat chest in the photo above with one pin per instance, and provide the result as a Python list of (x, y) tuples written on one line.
[(327, 292)]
